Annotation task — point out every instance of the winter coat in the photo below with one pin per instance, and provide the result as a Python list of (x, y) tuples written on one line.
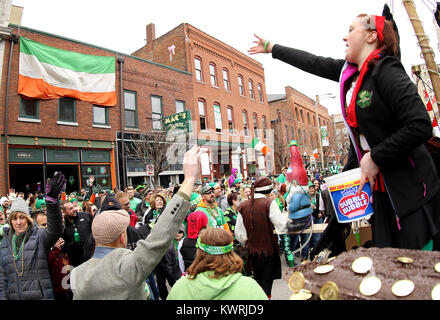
[(78, 251), (394, 121), (119, 274), (204, 287), (35, 283)]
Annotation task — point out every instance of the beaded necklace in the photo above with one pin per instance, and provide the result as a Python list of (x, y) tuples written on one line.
[(16, 255)]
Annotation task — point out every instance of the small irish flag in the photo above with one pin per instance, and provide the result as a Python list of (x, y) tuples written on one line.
[(259, 146), (315, 153), (48, 73)]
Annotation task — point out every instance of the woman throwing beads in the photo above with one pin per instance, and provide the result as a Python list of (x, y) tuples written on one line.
[(388, 126)]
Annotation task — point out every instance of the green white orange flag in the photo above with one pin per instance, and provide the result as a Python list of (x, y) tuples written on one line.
[(259, 146), (48, 73)]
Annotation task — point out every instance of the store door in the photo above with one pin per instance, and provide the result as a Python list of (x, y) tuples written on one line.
[(26, 178), (70, 172)]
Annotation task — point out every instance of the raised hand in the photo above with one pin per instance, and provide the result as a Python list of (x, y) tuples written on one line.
[(54, 187), (259, 47)]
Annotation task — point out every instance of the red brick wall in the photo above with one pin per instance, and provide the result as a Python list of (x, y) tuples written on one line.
[(144, 77)]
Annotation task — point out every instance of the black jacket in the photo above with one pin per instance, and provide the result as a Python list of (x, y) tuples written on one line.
[(396, 125), (80, 251)]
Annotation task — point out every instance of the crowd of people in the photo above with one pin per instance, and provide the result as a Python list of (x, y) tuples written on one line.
[(216, 240), (70, 240)]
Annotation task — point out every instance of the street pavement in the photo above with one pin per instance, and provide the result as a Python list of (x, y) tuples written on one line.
[(280, 289)]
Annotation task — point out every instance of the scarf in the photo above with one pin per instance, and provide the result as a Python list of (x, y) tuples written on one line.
[(379, 22), (351, 110)]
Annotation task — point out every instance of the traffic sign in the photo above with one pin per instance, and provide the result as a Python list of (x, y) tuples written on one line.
[(150, 169)]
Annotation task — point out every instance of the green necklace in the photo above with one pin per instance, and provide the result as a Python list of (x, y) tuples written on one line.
[(16, 255)]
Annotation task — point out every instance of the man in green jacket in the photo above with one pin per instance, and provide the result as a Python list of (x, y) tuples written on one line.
[(282, 177)]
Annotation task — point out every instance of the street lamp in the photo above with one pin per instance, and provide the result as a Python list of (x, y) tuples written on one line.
[(323, 96)]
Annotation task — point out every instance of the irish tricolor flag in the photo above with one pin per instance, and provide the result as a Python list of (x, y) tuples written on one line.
[(259, 146), (48, 73)]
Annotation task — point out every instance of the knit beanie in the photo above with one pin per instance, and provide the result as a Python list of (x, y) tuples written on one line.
[(109, 225), (195, 198), (2, 200), (20, 205), (196, 221)]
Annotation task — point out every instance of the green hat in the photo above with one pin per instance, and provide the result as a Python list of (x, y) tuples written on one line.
[(310, 184), (73, 200), (206, 188), (39, 202), (141, 186), (195, 198), (214, 185)]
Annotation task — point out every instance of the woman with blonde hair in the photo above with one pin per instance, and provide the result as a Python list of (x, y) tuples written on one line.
[(24, 251), (215, 273)]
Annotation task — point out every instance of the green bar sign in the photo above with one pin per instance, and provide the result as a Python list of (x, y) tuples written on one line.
[(178, 121)]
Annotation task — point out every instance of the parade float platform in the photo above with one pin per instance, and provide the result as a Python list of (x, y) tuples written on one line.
[(368, 274)]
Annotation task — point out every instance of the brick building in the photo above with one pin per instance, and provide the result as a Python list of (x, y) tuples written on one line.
[(229, 106), (78, 138), (293, 117)]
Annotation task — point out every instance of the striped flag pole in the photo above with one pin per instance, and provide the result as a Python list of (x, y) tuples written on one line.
[(428, 102)]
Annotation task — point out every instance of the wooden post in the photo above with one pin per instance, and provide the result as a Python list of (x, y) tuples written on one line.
[(428, 53)]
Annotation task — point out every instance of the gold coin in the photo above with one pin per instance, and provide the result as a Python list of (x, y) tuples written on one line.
[(324, 269), (405, 260), (362, 265), (402, 288), (370, 286), (329, 291), (296, 282), (302, 295), (435, 293), (437, 267)]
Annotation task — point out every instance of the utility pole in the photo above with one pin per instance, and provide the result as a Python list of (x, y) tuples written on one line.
[(428, 53)]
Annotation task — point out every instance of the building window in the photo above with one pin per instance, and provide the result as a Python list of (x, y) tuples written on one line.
[(240, 85), (156, 112), (226, 79), (302, 117), (100, 115), (67, 110), (314, 121), (180, 106), (202, 115), (296, 114), (198, 68), (130, 108), (255, 121), (251, 89), (28, 108), (260, 92), (212, 74), (245, 123), (217, 117), (308, 118), (230, 120), (292, 134), (264, 127)]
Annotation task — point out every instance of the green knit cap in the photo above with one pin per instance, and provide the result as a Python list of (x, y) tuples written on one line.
[(195, 198)]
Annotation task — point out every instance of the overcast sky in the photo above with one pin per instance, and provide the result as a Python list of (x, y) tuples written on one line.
[(317, 26)]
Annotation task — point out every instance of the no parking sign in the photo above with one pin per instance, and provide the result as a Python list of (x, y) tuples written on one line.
[(150, 169)]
